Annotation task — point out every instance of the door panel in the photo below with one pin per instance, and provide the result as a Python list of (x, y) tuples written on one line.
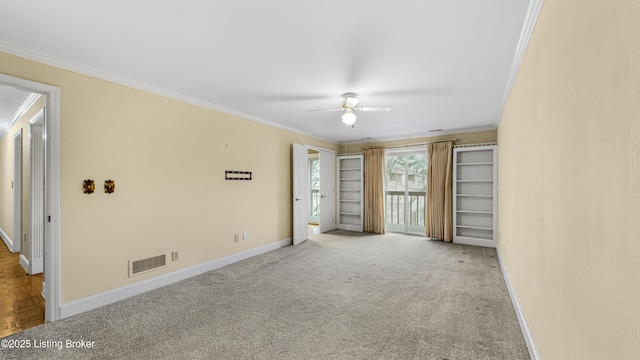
[(36, 244), (327, 192), (300, 194)]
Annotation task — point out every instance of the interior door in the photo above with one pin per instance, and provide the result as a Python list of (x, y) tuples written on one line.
[(17, 191), (300, 194), (327, 221), (36, 244)]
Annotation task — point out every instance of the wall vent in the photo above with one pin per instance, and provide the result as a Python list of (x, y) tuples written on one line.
[(141, 266)]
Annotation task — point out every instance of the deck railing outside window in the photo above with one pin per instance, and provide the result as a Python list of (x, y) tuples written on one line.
[(395, 208)]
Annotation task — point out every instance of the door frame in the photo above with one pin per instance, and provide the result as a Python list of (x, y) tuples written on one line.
[(17, 191), (51, 286), (301, 191), (325, 225), (36, 213), (411, 150)]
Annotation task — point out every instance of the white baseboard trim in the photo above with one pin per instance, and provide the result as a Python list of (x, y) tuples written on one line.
[(25, 263), (7, 240), (99, 300), (528, 338)]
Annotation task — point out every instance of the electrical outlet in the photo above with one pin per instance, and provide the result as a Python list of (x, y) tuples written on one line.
[(245, 236), (236, 238), (175, 255)]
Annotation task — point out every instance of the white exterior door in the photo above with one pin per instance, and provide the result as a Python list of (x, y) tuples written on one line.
[(300, 194), (327, 221)]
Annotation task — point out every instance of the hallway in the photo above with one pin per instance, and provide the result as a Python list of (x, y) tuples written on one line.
[(21, 302)]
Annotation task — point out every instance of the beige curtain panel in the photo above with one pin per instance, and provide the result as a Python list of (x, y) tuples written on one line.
[(439, 217), (374, 190)]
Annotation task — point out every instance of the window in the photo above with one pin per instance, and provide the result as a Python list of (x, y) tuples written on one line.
[(405, 200)]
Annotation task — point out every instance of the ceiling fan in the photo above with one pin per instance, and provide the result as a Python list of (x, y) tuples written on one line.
[(349, 106)]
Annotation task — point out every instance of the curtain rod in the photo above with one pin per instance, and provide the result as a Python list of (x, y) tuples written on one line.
[(407, 145)]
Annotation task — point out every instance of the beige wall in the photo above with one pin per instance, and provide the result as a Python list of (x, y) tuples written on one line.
[(7, 175), (168, 160), (463, 138), (569, 181)]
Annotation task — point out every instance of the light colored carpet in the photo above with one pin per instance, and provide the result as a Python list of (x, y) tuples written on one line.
[(340, 295)]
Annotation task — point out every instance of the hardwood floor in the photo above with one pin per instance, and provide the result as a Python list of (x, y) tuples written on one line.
[(21, 302)]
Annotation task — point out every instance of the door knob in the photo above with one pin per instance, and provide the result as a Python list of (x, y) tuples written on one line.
[(322, 196), (298, 199)]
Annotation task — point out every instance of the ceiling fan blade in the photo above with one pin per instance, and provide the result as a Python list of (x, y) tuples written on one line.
[(337, 109), (374, 108)]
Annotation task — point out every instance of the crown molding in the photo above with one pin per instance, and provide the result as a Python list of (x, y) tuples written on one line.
[(28, 101), (530, 18), (423, 135), (121, 80)]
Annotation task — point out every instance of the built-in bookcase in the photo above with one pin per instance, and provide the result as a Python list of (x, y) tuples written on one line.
[(350, 182), (475, 198)]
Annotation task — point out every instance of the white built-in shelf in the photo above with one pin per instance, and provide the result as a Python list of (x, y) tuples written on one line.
[(475, 200), (476, 181), (350, 182), (475, 227)]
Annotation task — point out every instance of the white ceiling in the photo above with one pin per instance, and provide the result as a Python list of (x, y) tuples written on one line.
[(440, 64)]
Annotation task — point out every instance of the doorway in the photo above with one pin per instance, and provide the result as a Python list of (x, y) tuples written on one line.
[(405, 190), (50, 192), (310, 206)]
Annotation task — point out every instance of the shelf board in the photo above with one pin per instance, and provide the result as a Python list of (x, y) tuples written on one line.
[(475, 227), (350, 169), (350, 179), (474, 195), (346, 213), (341, 200), (474, 181), (474, 212), (478, 163), (350, 190)]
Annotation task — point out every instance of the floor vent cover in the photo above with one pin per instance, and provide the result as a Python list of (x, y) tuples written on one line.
[(141, 266)]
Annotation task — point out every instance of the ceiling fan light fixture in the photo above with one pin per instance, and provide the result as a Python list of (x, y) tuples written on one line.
[(349, 118)]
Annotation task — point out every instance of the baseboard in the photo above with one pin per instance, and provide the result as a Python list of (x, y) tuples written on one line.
[(528, 338), (7, 240), (474, 241), (25, 263), (99, 300)]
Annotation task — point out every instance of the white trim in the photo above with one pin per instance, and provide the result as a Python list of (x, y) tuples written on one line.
[(7, 240), (99, 300), (528, 337), (51, 286), (36, 198), (85, 70), (429, 135), (474, 241), (38, 115), (17, 190), (25, 263), (528, 24), (28, 101)]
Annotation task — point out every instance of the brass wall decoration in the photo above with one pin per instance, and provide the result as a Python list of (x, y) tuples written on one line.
[(88, 186), (109, 186)]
